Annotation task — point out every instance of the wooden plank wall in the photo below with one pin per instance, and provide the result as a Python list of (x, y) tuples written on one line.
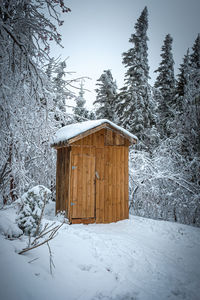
[(62, 179), (111, 165), (112, 184), (82, 182)]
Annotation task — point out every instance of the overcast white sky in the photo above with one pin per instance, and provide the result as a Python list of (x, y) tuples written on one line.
[(96, 33)]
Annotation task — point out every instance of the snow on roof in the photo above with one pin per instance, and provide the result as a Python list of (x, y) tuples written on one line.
[(73, 130)]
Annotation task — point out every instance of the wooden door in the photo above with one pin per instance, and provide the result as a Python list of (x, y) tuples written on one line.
[(82, 195)]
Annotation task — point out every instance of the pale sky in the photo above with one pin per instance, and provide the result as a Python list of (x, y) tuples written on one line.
[(96, 33)]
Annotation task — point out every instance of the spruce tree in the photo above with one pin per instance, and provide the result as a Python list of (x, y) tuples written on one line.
[(135, 103), (80, 111), (193, 129), (106, 96), (195, 56), (187, 105), (182, 77), (165, 82), (61, 93), (182, 83)]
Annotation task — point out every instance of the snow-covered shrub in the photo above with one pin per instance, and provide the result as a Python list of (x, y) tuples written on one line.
[(161, 187), (8, 228), (32, 206)]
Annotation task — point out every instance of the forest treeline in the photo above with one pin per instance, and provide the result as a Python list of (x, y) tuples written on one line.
[(36, 89)]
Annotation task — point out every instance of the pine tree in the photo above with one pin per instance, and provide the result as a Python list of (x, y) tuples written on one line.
[(195, 56), (135, 103), (192, 101), (187, 105), (165, 82), (195, 65), (183, 76), (80, 111), (106, 96), (61, 94)]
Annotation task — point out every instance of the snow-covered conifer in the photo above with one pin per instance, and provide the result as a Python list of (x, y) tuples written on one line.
[(135, 107), (106, 96), (32, 207), (165, 82), (80, 112), (195, 56)]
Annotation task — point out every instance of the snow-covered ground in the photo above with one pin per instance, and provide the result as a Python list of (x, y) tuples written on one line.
[(131, 259)]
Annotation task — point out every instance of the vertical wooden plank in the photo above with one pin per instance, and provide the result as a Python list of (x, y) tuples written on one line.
[(69, 210), (92, 186), (122, 183), (106, 176), (110, 182), (97, 139), (66, 179), (79, 202), (84, 184), (100, 185), (73, 181), (114, 186), (126, 183), (116, 140), (74, 177), (101, 138), (118, 183), (97, 181), (61, 179), (65, 152), (92, 139), (108, 137), (57, 180), (88, 183)]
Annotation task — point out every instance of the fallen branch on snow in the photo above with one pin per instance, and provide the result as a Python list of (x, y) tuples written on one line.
[(52, 233)]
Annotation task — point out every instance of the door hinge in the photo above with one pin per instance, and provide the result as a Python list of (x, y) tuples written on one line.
[(97, 175)]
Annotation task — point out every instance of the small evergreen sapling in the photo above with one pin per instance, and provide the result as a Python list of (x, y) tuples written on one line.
[(32, 207), (80, 112)]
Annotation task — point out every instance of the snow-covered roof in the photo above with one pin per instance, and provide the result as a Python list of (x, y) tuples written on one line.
[(73, 130)]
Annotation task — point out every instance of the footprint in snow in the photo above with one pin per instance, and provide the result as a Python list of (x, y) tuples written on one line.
[(87, 268)]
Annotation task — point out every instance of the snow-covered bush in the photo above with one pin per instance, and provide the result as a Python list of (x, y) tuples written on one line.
[(160, 186), (8, 228), (32, 206)]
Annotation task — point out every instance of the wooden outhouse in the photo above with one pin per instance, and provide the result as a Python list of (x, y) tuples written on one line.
[(92, 171)]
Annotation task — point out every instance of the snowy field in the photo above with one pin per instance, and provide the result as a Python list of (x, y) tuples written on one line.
[(132, 259)]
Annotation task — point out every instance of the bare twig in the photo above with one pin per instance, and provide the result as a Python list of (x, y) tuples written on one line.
[(32, 260), (43, 233), (51, 236), (51, 263)]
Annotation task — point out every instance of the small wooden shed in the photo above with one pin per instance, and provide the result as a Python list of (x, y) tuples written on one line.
[(92, 171)]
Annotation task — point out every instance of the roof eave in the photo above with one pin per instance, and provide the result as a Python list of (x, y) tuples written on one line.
[(84, 134)]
